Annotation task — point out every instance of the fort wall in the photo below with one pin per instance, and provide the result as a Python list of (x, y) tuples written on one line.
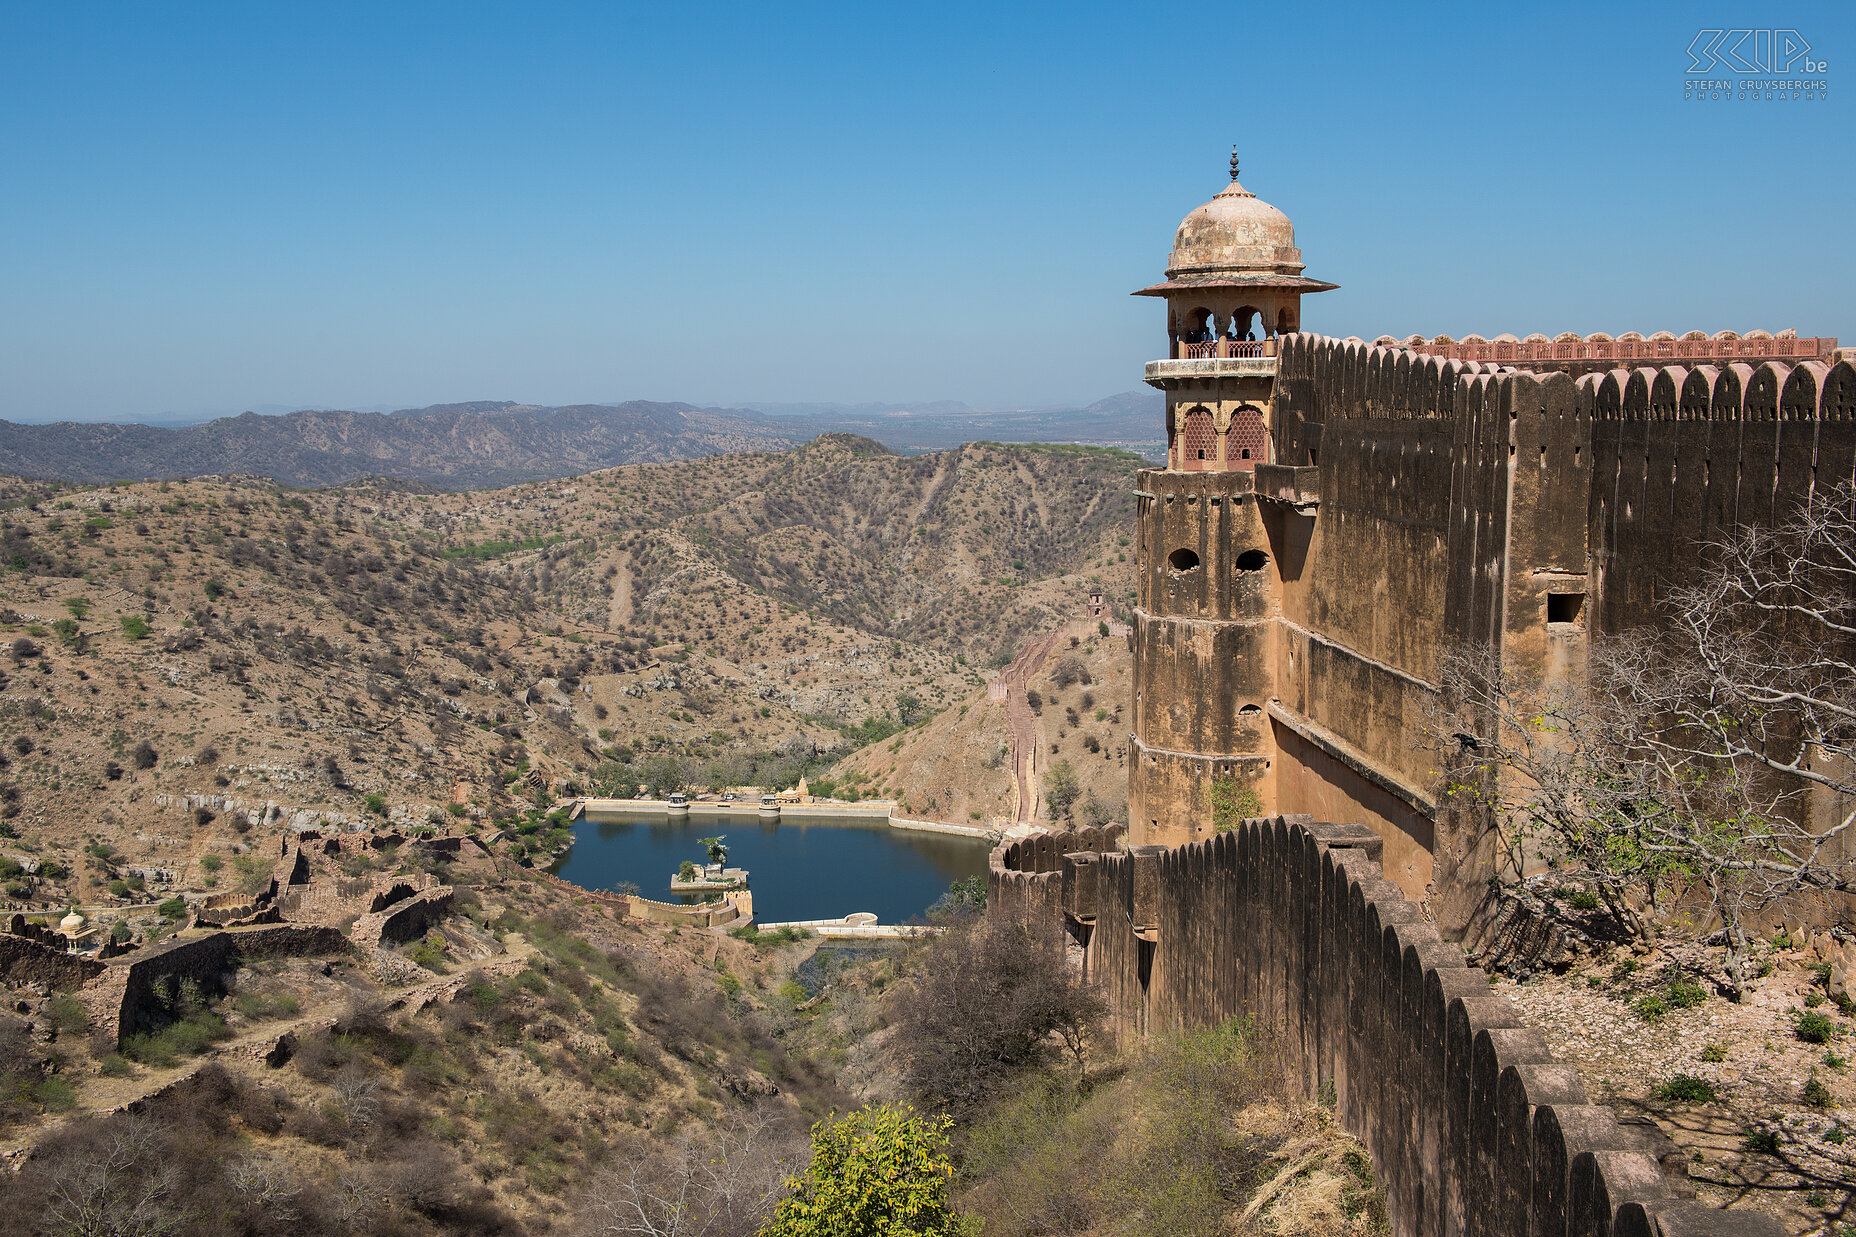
[(1439, 502), (1471, 1125)]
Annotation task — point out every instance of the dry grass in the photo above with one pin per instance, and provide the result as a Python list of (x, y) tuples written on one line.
[(1197, 1135)]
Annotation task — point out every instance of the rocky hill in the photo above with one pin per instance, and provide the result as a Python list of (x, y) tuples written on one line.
[(960, 765), (452, 446), (188, 668)]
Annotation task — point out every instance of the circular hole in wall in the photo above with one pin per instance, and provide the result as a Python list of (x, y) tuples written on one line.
[(1252, 560), (1182, 559)]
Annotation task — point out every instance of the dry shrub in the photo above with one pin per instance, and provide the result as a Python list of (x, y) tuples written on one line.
[(724, 1181), (989, 1000), (1198, 1137)]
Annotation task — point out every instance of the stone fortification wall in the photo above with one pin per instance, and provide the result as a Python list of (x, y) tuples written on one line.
[(1453, 502), (401, 915), (1026, 877), (137, 993), (1427, 534), (1681, 456), (27, 960), (1471, 1125)]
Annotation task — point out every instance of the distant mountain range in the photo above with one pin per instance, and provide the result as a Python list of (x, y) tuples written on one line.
[(451, 446), (495, 443)]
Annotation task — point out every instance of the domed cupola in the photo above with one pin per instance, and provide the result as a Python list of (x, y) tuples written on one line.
[(1236, 240), (1235, 231)]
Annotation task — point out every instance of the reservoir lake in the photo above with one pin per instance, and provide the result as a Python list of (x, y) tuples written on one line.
[(798, 867)]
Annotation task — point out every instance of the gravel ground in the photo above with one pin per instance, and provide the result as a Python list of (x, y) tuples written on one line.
[(1759, 1142)]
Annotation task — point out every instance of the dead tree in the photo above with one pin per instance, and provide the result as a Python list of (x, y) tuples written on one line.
[(1712, 758)]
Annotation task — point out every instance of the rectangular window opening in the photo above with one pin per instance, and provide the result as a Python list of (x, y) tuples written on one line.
[(1565, 607)]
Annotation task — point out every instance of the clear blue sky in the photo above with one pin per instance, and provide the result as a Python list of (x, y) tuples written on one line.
[(341, 205)]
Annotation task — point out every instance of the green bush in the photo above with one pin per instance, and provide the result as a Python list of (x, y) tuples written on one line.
[(66, 1015), (56, 1093), (430, 952), (1765, 1141), (135, 627), (1686, 994), (185, 1037), (1817, 1095), (1686, 1089), (173, 908), (1714, 1054), (1812, 1027), (259, 1006), (1650, 1008), (877, 1171), (377, 804)]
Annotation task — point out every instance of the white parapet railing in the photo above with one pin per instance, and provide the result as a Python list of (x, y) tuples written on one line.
[(861, 924)]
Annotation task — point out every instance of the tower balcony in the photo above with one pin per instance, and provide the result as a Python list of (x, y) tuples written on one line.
[(1215, 358), (1223, 349)]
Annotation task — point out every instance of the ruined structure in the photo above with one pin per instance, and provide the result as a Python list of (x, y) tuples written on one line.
[(1294, 604)]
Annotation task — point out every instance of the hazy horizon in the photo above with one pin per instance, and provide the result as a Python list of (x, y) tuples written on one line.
[(772, 409)]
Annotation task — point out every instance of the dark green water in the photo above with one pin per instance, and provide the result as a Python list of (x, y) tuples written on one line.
[(798, 868)]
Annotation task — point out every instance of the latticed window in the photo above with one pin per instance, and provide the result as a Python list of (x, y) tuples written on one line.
[(1198, 445), (1247, 444)]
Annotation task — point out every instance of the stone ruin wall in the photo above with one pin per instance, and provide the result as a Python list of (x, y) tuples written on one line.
[(28, 959), (1471, 1125), (134, 994)]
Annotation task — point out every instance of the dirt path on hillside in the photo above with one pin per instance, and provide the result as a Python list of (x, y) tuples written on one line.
[(1024, 723), (620, 612)]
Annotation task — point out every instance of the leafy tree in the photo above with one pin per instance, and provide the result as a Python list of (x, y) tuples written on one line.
[(717, 850), (966, 896), (135, 627), (78, 606), (1061, 789), (908, 708), (879, 1172), (1233, 803)]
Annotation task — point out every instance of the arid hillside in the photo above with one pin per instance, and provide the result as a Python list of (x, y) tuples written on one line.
[(1072, 712), (191, 668), (509, 1066)]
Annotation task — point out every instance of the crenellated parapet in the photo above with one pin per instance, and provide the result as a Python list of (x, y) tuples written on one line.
[(1582, 354), (1471, 1124)]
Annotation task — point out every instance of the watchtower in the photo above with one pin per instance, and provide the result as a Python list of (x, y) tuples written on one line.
[(1209, 590)]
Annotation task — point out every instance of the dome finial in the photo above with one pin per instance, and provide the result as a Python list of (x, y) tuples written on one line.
[(1233, 163)]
